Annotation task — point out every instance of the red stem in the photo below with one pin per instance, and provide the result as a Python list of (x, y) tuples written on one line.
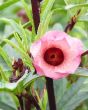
[(35, 11), (50, 91), (85, 53)]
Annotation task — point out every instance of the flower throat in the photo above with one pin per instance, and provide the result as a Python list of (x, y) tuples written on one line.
[(54, 56)]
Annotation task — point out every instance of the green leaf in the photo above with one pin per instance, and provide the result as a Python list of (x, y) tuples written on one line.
[(68, 7), (29, 79), (74, 2), (15, 46), (18, 39), (82, 72), (26, 58), (17, 28), (14, 25), (83, 18), (7, 4), (2, 43), (44, 100), (28, 24), (60, 86), (71, 6), (47, 10), (43, 27), (8, 101), (45, 18), (73, 97), (28, 10), (43, 5), (24, 38), (5, 57), (20, 85), (3, 75)]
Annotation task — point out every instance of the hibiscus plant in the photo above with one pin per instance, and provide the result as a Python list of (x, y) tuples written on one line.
[(43, 55)]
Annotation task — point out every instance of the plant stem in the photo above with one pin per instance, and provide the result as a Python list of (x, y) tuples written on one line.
[(35, 11), (72, 22), (85, 53), (50, 90), (35, 103), (36, 18), (49, 82), (21, 102)]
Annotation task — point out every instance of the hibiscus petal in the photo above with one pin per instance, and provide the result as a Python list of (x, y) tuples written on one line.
[(71, 48)]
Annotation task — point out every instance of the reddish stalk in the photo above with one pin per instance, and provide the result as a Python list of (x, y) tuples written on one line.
[(72, 22), (50, 91), (85, 53), (35, 11)]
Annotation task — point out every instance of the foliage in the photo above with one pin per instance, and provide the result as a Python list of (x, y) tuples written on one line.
[(15, 39)]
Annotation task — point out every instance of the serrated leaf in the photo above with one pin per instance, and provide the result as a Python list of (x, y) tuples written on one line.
[(3, 75), (17, 28), (29, 14), (47, 9), (18, 39), (44, 25), (2, 43), (5, 57), (43, 5), (26, 58)]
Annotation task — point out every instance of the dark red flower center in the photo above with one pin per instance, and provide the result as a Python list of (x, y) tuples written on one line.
[(54, 56)]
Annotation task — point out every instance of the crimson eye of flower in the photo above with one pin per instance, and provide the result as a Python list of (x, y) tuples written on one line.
[(54, 56)]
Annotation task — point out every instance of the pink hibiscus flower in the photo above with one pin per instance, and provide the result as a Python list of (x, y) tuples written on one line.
[(56, 54)]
